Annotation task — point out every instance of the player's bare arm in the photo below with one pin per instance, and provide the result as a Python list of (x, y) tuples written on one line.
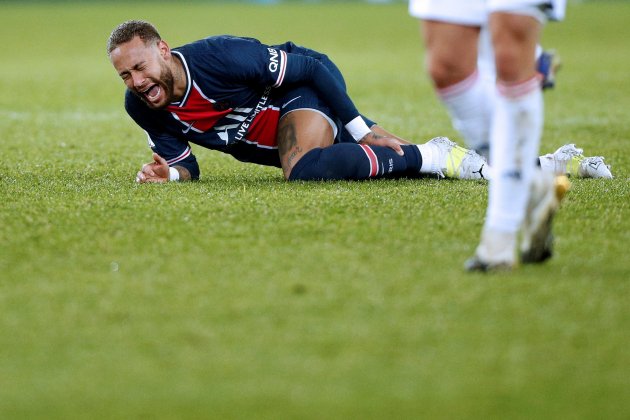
[(374, 139), (382, 132)]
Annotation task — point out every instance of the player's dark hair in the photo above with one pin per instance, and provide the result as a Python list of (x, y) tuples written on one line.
[(128, 30)]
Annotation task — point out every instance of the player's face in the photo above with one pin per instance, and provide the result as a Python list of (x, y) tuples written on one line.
[(144, 70)]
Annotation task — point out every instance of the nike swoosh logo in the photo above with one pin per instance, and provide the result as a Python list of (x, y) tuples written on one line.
[(288, 102), (188, 127)]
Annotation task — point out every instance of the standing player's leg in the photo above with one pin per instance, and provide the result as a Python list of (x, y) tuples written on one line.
[(452, 66), (519, 194), (515, 134), (465, 86)]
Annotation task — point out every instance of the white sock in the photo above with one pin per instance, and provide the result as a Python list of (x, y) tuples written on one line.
[(430, 158), (469, 103), (515, 139), (548, 163)]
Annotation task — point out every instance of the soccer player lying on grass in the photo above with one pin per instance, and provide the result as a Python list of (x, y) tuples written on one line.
[(280, 105)]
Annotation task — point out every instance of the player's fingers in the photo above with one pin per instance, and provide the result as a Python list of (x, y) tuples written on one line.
[(147, 168), (155, 180), (394, 144)]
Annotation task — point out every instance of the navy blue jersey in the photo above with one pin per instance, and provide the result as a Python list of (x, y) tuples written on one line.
[(233, 93)]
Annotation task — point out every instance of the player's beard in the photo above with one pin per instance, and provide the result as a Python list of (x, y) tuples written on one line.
[(166, 82)]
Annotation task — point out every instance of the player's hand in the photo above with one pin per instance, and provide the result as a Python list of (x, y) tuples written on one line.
[(373, 139), (156, 171)]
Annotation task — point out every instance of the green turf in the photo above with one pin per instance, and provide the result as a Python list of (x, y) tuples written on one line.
[(242, 296)]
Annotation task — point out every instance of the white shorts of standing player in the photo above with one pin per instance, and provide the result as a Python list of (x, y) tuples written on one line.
[(476, 12)]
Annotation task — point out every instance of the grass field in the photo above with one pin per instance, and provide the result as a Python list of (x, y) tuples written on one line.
[(243, 296)]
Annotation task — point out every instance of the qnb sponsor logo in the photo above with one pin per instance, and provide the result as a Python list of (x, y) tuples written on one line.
[(273, 60)]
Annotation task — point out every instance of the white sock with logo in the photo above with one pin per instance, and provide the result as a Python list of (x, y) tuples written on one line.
[(515, 139)]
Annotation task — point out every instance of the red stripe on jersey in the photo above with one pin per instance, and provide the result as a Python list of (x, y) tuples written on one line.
[(372, 158), (199, 112), (264, 129)]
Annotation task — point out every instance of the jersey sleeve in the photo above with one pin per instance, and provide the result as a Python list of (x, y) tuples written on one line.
[(174, 150), (305, 69), (248, 61)]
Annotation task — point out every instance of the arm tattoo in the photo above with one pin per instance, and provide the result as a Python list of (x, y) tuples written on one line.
[(371, 136)]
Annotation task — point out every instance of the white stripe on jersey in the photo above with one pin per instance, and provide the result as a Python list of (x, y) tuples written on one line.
[(181, 56), (236, 117), (182, 156), (282, 69), (202, 94), (149, 140), (226, 127), (262, 146)]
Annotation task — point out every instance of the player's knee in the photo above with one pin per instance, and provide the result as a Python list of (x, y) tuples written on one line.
[(447, 70), (307, 168), (512, 66), (286, 173)]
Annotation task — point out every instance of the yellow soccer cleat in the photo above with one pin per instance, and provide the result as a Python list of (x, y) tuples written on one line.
[(547, 191)]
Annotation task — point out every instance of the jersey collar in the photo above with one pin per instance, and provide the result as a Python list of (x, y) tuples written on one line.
[(188, 79)]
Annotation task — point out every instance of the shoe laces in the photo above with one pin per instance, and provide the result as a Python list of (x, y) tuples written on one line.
[(567, 152)]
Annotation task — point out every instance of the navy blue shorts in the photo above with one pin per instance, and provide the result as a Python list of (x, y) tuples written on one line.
[(306, 98), (263, 150)]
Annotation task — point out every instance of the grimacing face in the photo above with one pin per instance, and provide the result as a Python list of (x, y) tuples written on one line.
[(144, 69)]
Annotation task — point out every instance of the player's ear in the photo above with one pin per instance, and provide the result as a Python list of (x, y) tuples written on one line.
[(165, 50)]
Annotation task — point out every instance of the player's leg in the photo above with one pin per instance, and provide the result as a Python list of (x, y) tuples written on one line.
[(444, 158), (515, 136), (515, 133), (451, 52), (547, 61), (307, 152), (311, 144), (452, 66), (462, 100)]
